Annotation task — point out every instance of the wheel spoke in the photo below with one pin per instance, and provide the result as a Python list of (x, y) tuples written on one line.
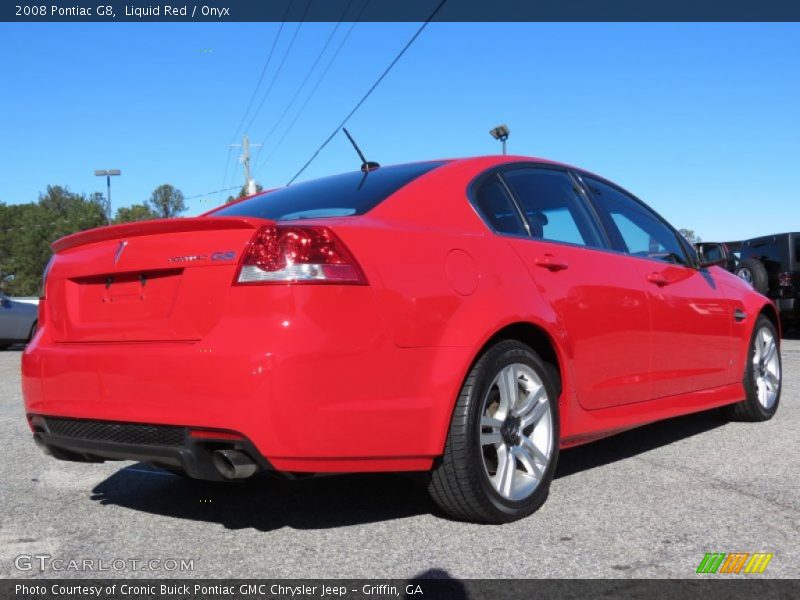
[(531, 398), (533, 416), (770, 354), (771, 380), (506, 466), (487, 421), (531, 448), (491, 439), (509, 388), (526, 459)]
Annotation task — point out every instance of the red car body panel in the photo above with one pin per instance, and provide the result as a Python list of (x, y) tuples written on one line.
[(331, 378)]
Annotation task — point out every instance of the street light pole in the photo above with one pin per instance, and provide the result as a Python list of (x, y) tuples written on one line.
[(501, 133), (107, 173)]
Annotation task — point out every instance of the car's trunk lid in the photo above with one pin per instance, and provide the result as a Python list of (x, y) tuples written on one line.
[(165, 280)]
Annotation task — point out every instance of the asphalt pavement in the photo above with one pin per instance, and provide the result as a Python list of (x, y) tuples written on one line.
[(647, 503)]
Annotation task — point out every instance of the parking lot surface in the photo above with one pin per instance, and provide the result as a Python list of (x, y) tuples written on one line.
[(647, 503)]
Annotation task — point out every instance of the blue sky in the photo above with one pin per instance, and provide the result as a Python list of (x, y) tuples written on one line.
[(700, 120)]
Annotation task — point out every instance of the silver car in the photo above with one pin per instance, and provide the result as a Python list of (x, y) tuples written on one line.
[(17, 321)]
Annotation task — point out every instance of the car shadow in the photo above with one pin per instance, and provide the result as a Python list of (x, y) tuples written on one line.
[(636, 441), (266, 503)]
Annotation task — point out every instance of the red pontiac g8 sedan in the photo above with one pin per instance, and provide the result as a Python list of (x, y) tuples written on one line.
[(464, 317)]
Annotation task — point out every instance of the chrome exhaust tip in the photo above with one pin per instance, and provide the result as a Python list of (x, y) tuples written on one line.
[(233, 464)]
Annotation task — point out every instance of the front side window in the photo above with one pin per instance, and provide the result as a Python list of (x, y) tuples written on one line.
[(553, 206), (641, 232)]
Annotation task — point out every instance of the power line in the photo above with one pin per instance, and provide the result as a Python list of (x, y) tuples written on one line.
[(236, 187), (316, 86), (255, 90), (280, 67), (308, 73), (263, 72), (227, 165), (369, 91)]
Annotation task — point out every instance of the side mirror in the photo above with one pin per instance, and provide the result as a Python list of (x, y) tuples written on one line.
[(711, 254)]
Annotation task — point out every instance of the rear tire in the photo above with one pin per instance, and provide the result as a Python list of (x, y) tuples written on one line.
[(762, 375), (755, 273), (32, 332), (502, 446)]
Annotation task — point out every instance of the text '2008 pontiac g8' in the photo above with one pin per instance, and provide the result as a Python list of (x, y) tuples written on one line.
[(465, 317)]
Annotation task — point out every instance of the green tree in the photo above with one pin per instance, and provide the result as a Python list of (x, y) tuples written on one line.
[(29, 229), (690, 236), (167, 201), (243, 193), (137, 212)]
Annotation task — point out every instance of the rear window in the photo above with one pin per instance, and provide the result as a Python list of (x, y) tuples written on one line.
[(336, 196)]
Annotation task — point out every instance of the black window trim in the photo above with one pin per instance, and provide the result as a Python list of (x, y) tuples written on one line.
[(588, 206), (472, 195), (609, 234), (618, 244)]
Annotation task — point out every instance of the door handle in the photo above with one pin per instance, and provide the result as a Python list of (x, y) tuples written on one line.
[(658, 279), (550, 262)]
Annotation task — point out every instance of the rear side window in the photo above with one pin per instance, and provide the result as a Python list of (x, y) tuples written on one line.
[(553, 206), (797, 249), (640, 230), (497, 208), (342, 195)]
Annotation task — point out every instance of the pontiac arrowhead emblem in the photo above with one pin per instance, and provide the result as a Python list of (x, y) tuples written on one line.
[(120, 248)]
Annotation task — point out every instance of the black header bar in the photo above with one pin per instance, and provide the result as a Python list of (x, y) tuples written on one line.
[(398, 10)]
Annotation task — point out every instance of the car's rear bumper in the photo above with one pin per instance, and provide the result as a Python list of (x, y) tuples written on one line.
[(342, 398), (178, 448)]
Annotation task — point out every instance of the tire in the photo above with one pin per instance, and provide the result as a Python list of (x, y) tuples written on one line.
[(32, 332), (753, 272), (760, 404), (486, 432)]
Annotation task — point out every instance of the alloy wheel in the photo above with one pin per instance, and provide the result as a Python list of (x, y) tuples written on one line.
[(766, 367), (516, 434)]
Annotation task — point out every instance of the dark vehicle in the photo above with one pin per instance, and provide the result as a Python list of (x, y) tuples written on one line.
[(734, 255), (771, 264)]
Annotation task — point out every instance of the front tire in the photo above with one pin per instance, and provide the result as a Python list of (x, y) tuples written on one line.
[(762, 375), (502, 446)]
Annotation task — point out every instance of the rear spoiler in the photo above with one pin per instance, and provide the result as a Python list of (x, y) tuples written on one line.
[(139, 228)]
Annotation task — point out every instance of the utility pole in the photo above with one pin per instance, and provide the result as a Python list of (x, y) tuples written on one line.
[(249, 182)]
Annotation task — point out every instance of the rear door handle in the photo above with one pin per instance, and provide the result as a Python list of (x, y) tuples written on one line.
[(658, 279), (550, 262)]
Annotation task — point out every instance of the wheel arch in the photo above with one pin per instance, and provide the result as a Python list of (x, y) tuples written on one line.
[(533, 335), (769, 311)]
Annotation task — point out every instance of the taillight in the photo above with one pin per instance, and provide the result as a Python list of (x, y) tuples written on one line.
[(785, 279), (295, 254)]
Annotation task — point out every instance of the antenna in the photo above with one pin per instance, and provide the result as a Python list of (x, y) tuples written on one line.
[(366, 166)]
